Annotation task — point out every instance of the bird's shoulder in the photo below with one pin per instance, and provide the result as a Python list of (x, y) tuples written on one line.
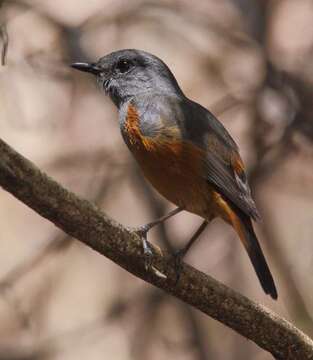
[(162, 114), (194, 122), (158, 114), (203, 127)]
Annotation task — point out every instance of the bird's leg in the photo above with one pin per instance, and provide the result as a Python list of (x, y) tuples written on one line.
[(179, 254), (142, 231)]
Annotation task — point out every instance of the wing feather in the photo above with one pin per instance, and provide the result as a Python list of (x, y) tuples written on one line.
[(223, 164)]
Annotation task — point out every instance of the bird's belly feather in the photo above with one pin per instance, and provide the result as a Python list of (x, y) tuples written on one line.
[(175, 173)]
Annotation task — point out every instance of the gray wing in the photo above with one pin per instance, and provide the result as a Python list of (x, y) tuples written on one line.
[(223, 164)]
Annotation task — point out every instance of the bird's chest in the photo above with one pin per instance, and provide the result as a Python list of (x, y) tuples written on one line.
[(131, 131), (153, 152)]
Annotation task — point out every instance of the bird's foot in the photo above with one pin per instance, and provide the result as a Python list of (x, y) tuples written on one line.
[(142, 231), (148, 250), (148, 254)]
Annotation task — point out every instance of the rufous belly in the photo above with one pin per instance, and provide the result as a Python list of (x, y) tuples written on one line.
[(175, 170)]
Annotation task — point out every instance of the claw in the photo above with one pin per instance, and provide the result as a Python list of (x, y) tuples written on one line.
[(148, 254), (147, 250)]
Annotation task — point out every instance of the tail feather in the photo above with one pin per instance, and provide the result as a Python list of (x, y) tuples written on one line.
[(243, 226), (247, 235)]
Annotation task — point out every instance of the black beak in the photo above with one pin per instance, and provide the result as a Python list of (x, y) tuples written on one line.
[(87, 67)]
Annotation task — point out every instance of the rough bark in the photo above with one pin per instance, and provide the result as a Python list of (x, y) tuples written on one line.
[(85, 222)]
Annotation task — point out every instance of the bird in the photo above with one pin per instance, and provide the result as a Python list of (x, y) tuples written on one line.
[(183, 150)]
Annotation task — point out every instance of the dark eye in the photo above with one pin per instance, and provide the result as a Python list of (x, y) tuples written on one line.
[(123, 66)]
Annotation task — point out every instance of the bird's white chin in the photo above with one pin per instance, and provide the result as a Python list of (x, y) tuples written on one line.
[(104, 84)]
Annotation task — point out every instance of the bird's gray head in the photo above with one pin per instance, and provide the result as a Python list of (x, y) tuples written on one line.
[(127, 73)]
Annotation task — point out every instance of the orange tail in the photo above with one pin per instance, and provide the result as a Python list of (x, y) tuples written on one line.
[(243, 226)]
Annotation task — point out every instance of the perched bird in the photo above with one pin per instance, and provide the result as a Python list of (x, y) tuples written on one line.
[(182, 149)]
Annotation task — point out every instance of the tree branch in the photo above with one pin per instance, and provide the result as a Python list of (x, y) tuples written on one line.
[(84, 221)]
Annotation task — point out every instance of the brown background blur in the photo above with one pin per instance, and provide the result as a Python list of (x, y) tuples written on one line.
[(250, 62)]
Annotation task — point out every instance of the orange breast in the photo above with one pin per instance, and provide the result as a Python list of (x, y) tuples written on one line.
[(172, 166)]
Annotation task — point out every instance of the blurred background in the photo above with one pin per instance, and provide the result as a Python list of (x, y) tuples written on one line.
[(250, 63)]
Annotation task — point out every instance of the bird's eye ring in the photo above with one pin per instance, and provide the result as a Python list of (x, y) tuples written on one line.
[(123, 66)]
